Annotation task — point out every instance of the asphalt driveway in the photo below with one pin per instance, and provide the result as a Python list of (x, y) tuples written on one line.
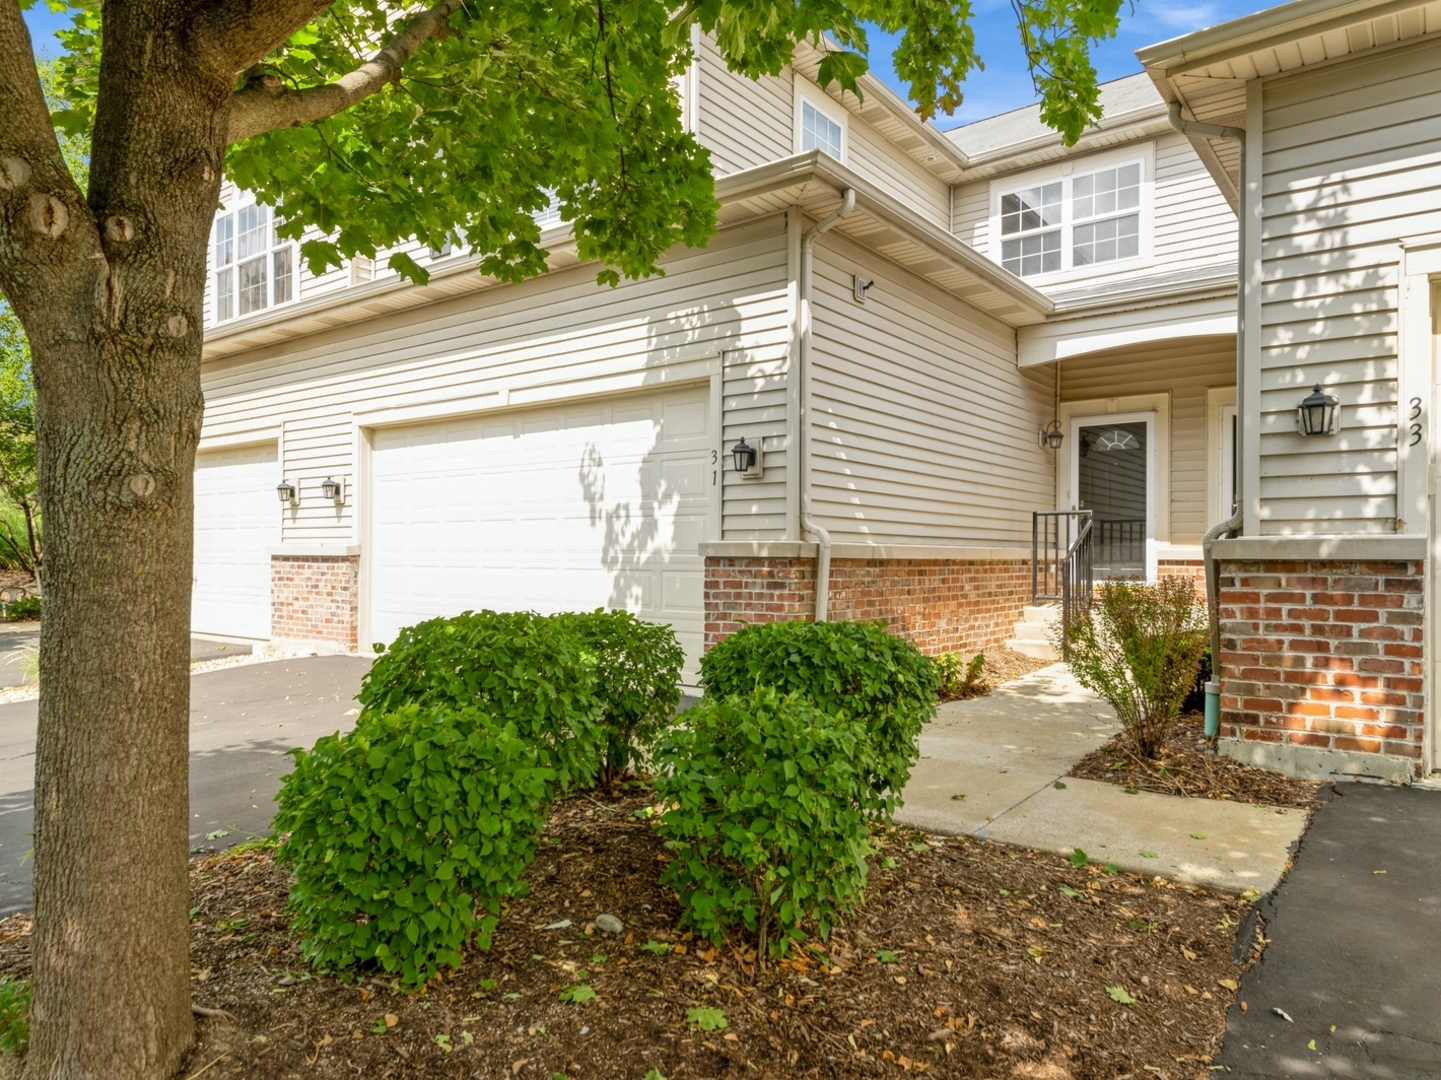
[(242, 720), (1349, 986)]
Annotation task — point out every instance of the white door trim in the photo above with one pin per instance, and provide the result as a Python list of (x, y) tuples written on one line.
[(1075, 421)]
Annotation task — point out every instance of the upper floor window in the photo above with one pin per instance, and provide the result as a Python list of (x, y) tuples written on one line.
[(250, 269), (820, 121), (819, 131), (1064, 221)]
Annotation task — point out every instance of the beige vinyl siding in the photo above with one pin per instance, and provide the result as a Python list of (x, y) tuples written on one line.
[(876, 158), (1185, 370), (1351, 166), (924, 428), (743, 122), (1193, 225), (556, 338), (971, 214)]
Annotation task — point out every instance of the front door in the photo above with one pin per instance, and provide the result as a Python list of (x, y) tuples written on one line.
[(1113, 476)]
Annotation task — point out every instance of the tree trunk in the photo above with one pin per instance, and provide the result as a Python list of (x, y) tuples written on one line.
[(110, 291)]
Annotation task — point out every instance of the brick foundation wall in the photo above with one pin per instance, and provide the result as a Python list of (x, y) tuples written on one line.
[(1186, 568), (1324, 654), (940, 605), (315, 598)]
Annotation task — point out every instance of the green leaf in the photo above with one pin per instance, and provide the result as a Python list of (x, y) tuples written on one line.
[(1079, 857), (885, 956), (1149, 855), (707, 1019), (1074, 894), (1119, 995), (578, 994)]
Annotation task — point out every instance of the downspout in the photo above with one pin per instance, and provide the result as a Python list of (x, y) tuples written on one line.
[(1232, 524), (808, 523)]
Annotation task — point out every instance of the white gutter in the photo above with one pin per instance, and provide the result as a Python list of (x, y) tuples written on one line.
[(808, 523), (1234, 522)]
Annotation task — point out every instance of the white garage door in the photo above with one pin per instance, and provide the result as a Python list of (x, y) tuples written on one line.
[(237, 519), (559, 509)]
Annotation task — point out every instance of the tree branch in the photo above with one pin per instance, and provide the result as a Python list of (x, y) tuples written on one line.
[(230, 35), (45, 225), (26, 132), (266, 104)]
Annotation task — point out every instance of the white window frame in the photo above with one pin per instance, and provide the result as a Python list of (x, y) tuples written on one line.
[(243, 201), (808, 93), (1220, 462), (1064, 173)]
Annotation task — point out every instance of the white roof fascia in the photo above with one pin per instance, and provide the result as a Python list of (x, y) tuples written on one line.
[(1093, 332), (1265, 29)]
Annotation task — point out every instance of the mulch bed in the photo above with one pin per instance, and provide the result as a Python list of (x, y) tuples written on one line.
[(1002, 666), (969, 960), (1187, 767)]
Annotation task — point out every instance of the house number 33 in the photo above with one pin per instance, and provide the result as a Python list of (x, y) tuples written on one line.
[(1415, 421)]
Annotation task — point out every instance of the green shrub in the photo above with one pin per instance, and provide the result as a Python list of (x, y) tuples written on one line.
[(638, 665), (402, 829), (959, 677), (1140, 648), (522, 668), (14, 1016), (23, 610), (766, 823), (856, 668)]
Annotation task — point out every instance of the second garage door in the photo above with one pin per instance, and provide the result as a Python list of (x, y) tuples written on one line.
[(559, 509), (237, 521)]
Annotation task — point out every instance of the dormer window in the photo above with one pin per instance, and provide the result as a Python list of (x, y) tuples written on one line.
[(1074, 217), (820, 122), (250, 269)]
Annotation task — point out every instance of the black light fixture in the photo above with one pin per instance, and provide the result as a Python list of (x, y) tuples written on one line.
[(331, 489), (286, 490), (1318, 413), (744, 456), (1052, 435)]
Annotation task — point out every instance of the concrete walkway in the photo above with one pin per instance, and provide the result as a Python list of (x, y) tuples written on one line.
[(1355, 934), (993, 768)]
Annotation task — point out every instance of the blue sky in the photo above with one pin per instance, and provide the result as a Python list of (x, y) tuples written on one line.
[(1004, 84)]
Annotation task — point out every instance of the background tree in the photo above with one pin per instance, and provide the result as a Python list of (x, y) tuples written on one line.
[(19, 503), (376, 120), (19, 497)]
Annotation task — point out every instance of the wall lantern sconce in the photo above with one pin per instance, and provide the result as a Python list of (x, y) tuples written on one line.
[(1052, 435), (747, 459), (1318, 413), (332, 490), (288, 495)]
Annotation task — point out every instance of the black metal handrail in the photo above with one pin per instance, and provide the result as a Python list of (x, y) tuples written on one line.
[(1063, 564)]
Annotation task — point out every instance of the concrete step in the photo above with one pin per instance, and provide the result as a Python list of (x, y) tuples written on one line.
[(1041, 613), (1027, 631), (1040, 650), (1034, 632)]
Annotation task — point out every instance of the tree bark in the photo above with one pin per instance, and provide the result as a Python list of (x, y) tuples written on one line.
[(110, 291)]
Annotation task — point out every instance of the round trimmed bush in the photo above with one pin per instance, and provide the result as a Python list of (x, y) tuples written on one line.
[(406, 833), (638, 665), (765, 820), (524, 669), (859, 669)]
